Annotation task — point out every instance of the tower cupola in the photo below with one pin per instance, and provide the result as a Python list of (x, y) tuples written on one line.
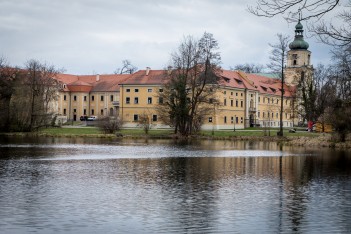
[(299, 43)]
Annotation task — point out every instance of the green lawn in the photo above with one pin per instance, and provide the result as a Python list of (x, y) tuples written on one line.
[(81, 131)]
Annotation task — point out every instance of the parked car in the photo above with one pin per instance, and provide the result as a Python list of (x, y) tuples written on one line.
[(83, 118), (92, 118)]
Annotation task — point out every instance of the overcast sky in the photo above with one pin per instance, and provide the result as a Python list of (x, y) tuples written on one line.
[(94, 36)]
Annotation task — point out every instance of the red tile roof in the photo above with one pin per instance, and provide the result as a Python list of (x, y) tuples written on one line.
[(154, 77), (97, 83), (109, 83)]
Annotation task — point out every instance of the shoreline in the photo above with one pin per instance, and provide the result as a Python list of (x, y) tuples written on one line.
[(323, 140)]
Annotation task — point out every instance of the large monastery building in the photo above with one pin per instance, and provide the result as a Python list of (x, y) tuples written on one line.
[(245, 99)]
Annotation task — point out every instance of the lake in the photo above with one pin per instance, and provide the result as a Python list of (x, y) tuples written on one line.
[(88, 185)]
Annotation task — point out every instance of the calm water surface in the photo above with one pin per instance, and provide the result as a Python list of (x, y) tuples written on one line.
[(159, 186)]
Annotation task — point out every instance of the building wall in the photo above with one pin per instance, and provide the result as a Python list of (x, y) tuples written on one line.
[(137, 101), (76, 104)]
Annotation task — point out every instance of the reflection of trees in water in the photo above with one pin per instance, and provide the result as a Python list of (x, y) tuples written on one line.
[(191, 183)]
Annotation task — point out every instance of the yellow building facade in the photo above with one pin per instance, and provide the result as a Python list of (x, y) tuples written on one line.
[(245, 100)]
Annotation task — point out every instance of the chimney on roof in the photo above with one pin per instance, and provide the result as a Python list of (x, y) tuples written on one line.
[(147, 70), (97, 77), (169, 71)]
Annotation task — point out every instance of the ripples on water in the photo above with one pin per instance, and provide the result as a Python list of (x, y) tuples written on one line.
[(162, 187)]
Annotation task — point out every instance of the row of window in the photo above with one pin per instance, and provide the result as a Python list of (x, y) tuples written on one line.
[(272, 115), (136, 118), (92, 98), (232, 93), (102, 112), (232, 103), (149, 100), (271, 100), (148, 90), (231, 119)]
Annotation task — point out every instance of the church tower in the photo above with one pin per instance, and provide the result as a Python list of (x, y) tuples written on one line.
[(299, 59)]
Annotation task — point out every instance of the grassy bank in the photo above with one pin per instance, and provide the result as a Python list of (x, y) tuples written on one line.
[(300, 138), (90, 131)]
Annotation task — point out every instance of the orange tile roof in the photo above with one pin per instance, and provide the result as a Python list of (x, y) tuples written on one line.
[(155, 77), (97, 83), (233, 79)]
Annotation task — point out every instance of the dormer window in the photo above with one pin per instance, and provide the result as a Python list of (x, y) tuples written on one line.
[(238, 81)]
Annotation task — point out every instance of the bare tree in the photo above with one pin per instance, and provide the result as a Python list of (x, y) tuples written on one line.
[(277, 63), (109, 125), (291, 9), (8, 77), (144, 122), (127, 68), (248, 67), (191, 85), (36, 91), (329, 33)]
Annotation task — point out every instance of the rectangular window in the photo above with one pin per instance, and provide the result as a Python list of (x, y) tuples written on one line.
[(136, 100), (241, 103), (74, 98), (236, 119), (85, 98), (241, 120), (258, 114), (64, 111), (225, 119), (259, 99), (160, 90), (149, 100), (268, 100), (231, 102), (232, 119), (241, 94), (127, 90), (102, 112), (225, 102), (149, 90), (92, 98), (236, 94), (74, 110), (136, 117), (263, 114), (231, 93), (92, 112), (111, 98), (160, 100), (127, 100), (85, 112), (101, 98), (264, 100), (236, 103), (210, 119), (154, 118), (136, 90), (64, 97)]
